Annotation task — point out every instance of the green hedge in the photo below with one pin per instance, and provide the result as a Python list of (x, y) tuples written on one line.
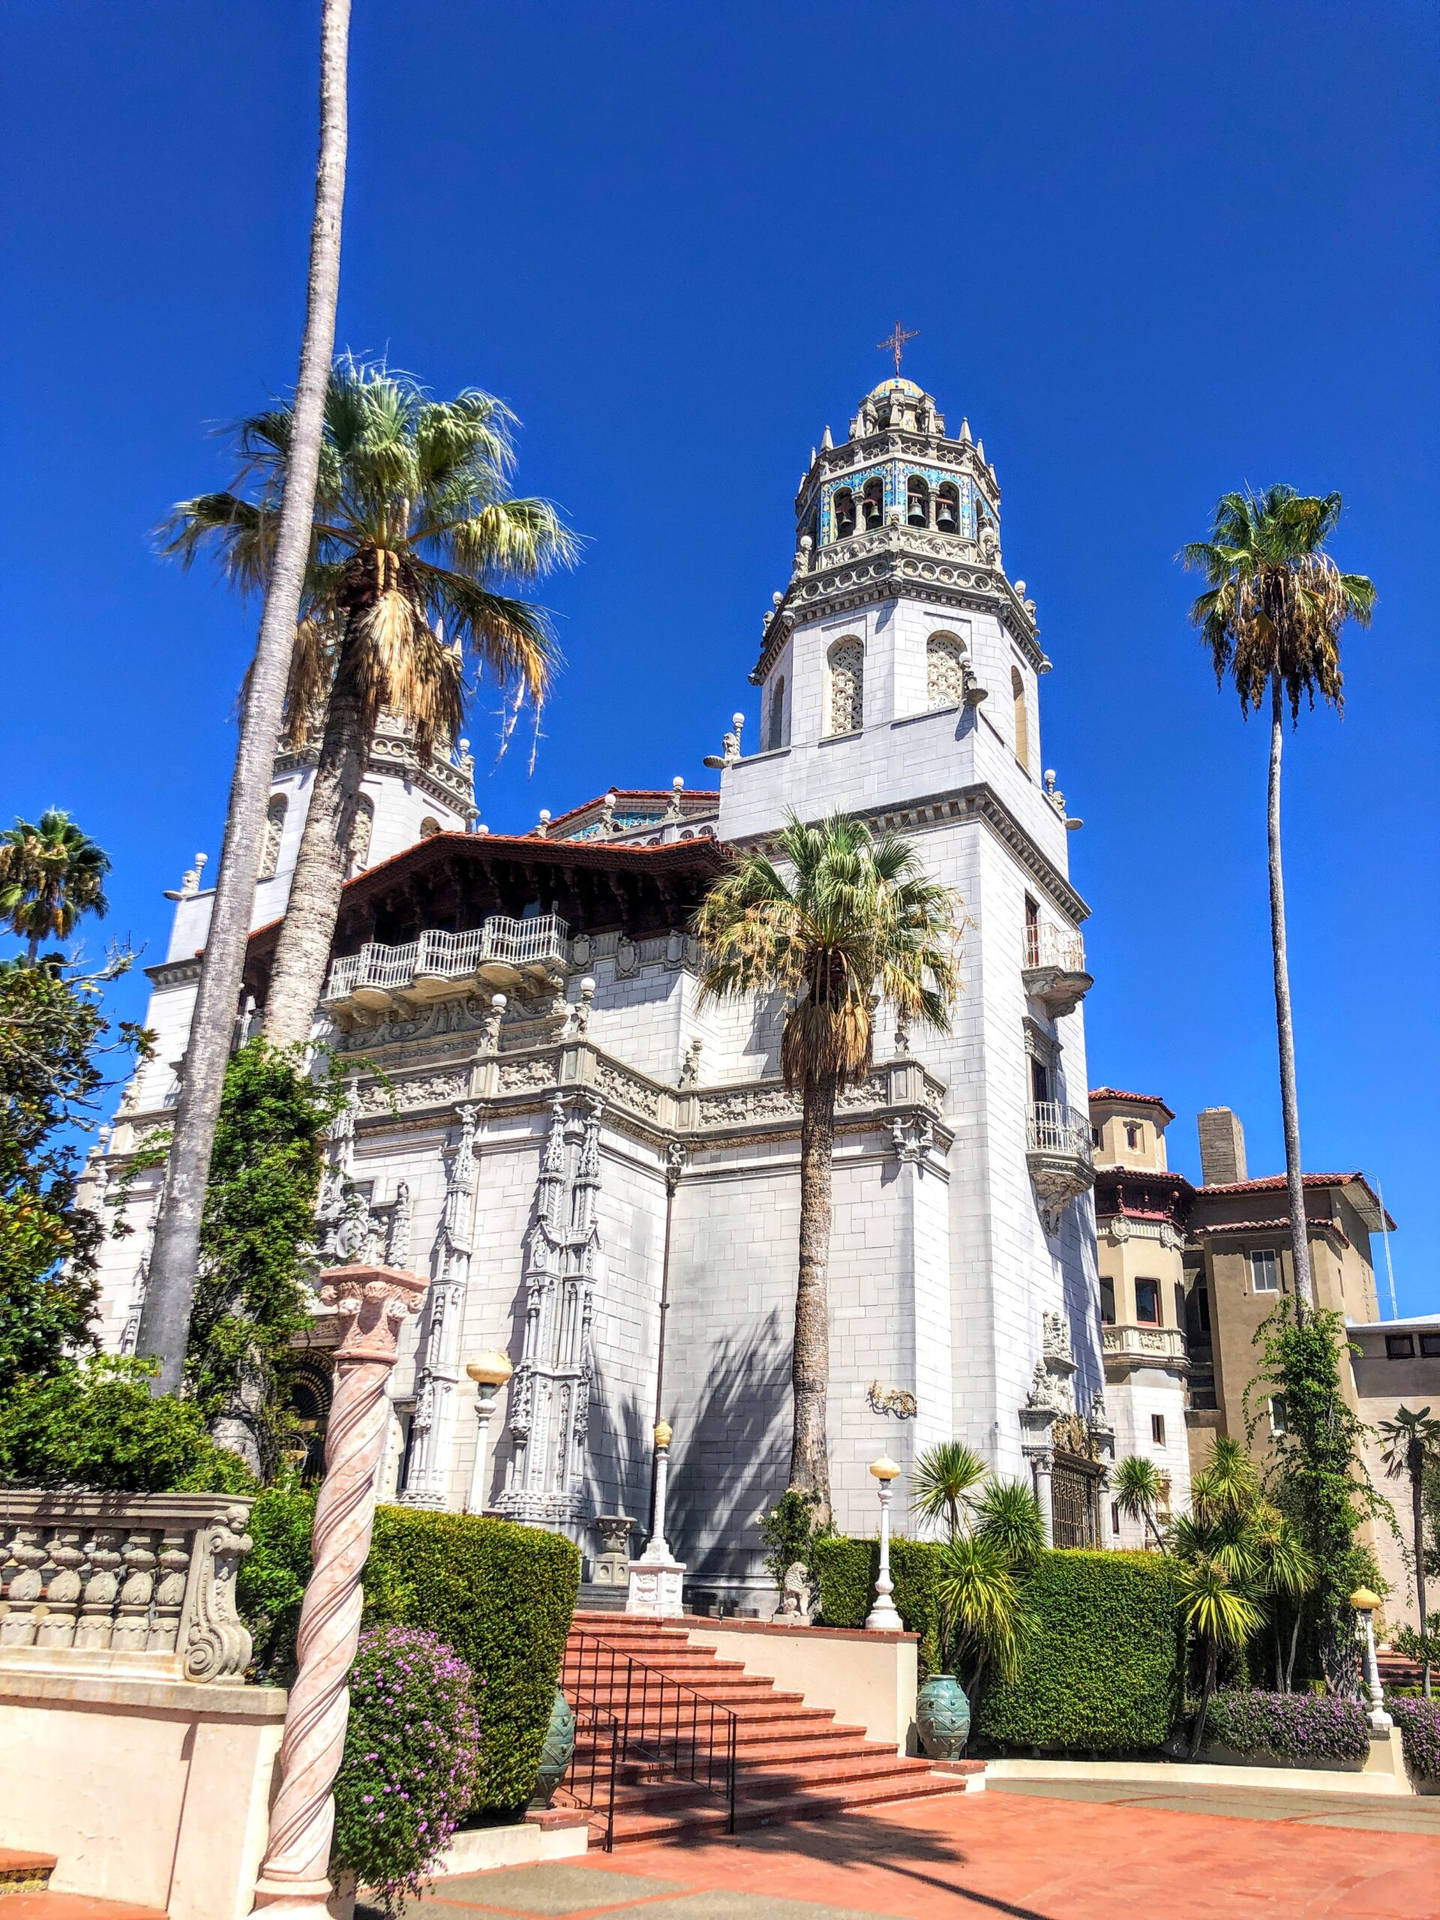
[(845, 1571), (500, 1595), (1103, 1665)]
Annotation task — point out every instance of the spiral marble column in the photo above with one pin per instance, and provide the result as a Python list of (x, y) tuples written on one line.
[(295, 1878)]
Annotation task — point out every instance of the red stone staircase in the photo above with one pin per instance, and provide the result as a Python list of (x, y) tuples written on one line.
[(792, 1762)]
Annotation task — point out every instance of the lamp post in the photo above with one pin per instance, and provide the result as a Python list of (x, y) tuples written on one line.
[(657, 1578), (1365, 1602), (489, 1371), (882, 1617)]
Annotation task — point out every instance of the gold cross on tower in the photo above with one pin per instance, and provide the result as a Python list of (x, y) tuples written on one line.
[(895, 344)]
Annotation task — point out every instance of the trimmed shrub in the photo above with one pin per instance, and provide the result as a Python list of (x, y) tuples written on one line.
[(412, 1755), (1102, 1665), (845, 1571), (1301, 1727), (500, 1595), (1419, 1724)]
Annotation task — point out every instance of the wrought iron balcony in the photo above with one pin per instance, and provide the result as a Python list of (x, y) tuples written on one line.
[(1059, 1156), (504, 953), (1054, 969)]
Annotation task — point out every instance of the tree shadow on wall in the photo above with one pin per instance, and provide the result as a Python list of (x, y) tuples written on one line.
[(618, 1450), (732, 1453)]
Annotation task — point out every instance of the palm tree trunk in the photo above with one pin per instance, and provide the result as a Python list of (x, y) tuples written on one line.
[(810, 1363), (1207, 1694), (1289, 1101), (1417, 1515), (165, 1317), (1294, 1649), (320, 867)]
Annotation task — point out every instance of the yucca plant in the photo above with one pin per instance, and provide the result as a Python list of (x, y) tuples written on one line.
[(983, 1616), (1222, 1616), (839, 921), (1271, 616), (1139, 1492), (1008, 1515), (943, 1482)]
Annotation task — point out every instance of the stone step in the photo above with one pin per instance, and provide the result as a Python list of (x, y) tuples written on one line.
[(50, 1905), (815, 1804), (22, 1872)]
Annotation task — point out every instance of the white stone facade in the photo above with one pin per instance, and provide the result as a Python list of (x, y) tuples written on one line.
[(604, 1157)]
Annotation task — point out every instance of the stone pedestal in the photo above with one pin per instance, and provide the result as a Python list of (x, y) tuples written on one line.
[(656, 1587), (612, 1563)]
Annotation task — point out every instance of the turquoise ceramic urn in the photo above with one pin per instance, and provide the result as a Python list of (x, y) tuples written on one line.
[(557, 1751), (942, 1714)]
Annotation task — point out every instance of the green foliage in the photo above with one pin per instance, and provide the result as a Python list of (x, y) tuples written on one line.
[(845, 1571), (943, 1482), (53, 1044), (97, 1425), (501, 1595), (790, 1529), (982, 1614), (255, 1255), (1101, 1667), (50, 873), (1008, 1514), (1318, 1481), (410, 1771), (1138, 1492)]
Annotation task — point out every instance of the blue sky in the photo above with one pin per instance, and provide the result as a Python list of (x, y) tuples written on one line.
[(1152, 253)]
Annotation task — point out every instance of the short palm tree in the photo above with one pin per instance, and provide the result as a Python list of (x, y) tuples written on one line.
[(839, 921), (50, 873), (1271, 616), (1139, 1493), (1410, 1444), (1223, 1616), (983, 1618), (943, 1482), (1008, 1514), (415, 533)]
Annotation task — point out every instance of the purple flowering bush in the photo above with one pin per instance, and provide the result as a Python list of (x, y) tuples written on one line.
[(1304, 1728), (412, 1760), (1419, 1724)]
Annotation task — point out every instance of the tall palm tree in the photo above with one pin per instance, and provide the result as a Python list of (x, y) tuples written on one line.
[(165, 1317), (1139, 1492), (1271, 617), (413, 522), (1410, 1443), (1216, 1607), (850, 920), (50, 873)]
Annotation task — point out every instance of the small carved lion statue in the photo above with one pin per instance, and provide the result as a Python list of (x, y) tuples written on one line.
[(795, 1595)]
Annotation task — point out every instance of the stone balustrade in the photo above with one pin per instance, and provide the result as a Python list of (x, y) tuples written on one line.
[(1144, 1346), (132, 1583)]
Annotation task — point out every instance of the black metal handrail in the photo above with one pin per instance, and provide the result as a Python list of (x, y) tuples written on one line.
[(663, 1721), (590, 1778)]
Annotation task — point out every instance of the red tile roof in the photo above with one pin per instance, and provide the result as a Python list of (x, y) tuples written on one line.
[(1131, 1099)]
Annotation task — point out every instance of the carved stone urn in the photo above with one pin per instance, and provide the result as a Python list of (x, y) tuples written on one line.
[(942, 1716), (612, 1564), (557, 1752)]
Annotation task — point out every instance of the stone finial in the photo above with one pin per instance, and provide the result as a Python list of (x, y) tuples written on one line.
[(827, 444), (964, 433), (543, 827)]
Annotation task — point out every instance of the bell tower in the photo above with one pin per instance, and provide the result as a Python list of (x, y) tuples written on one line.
[(899, 675)]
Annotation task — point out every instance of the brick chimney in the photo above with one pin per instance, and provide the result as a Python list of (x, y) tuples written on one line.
[(1222, 1146)]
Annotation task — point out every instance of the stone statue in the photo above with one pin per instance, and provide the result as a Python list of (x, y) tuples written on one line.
[(795, 1595)]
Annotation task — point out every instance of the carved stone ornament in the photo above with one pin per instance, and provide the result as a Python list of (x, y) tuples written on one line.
[(891, 1400), (794, 1608)]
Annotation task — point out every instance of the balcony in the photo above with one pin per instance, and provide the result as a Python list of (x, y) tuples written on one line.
[(1059, 1157), (1054, 970), (507, 955), (1144, 1346)]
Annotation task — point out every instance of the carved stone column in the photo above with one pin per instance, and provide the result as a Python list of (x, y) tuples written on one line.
[(295, 1878), (1035, 1425)]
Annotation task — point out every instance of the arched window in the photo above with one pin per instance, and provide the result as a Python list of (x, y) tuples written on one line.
[(844, 514), (360, 832), (777, 713), (428, 826), (872, 502), (847, 686), (917, 503), (944, 671), (274, 834), (947, 509), (1022, 719)]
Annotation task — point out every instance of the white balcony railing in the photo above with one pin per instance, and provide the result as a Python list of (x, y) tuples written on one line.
[(1059, 1130), (1051, 946), (540, 941)]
